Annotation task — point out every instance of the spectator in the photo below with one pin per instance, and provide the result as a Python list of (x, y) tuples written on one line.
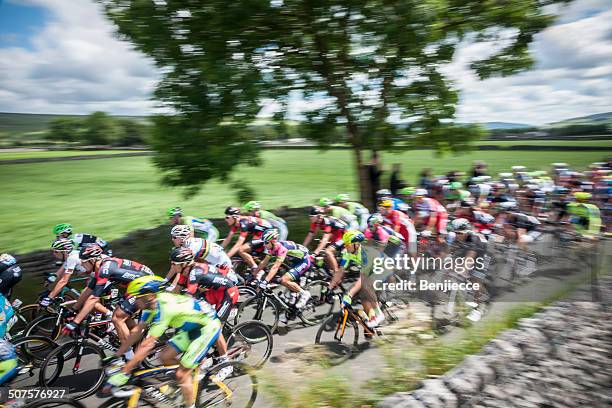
[(425, 180), (395, 181), (480, 169)]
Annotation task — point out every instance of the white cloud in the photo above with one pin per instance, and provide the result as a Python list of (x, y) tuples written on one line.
[(75, 65)]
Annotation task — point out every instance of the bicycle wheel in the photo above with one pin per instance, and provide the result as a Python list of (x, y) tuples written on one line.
[(76, 366), (262, 308), (25, 314), (238, 390), (337, 351), (317, 308), (31, 352), (48, 326), (251, 343), (123, 402), (54, 403)]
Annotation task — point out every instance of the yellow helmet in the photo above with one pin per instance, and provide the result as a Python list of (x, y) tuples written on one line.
[(145, 285)]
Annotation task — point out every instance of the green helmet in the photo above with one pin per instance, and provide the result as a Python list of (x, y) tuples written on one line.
[(252, 206), (342, 198), (407, 191), (455, 185), (324, 202), (172, 211), (62, 228)]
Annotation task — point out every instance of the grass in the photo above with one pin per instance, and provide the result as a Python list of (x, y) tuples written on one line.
[(41, 154), (604, 143), (110, 197)]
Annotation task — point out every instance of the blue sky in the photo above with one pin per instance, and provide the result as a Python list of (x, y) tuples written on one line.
[(60, 56)]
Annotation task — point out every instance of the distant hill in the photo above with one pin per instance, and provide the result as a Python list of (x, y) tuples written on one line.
[(597, 118), (505, 125), (25, 123)]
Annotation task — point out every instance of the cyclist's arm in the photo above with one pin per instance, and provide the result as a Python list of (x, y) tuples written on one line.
[(322, 243), (237, 245), (355, 289), (433, 217), (173, 272), (227, 239), (61, 282), (274, 269), (263, 264), (308, 238)]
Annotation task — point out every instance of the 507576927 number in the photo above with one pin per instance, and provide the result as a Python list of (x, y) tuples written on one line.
[(32, 393)]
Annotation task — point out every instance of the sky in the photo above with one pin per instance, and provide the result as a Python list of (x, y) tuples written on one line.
[(60, 56)]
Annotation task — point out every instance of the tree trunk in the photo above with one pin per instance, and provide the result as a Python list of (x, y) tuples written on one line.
[(363, 178)]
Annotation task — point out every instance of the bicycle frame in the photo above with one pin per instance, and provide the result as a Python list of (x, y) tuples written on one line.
[(341, 325)]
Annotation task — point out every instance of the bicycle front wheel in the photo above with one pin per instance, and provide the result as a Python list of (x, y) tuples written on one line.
[(317, 308), (336, 341), (31, 352), (262, 308), (76, 366), (49, 326), (251, 343), (236, 390)]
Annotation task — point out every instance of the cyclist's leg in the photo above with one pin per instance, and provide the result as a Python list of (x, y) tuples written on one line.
[(193, 356), (245, 254), (122, 316)]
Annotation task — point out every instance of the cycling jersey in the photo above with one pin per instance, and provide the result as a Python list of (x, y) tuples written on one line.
[(212, 254), (329, 225), (344, 215), (295, 256), (276, 222), (383, 234), (349, 259), (8, 361), (73, 263), (115, 270), (523, 221), (221, 290), (396, 218), (87, 239), (586, 217), (473, 242), (251, 225), (195, 321), (427, 206), (361, 212), (10, 274), (202, 226), (6, 314)]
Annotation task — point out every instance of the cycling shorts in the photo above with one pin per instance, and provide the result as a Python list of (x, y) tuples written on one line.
[(222, 299), (128, 305), (194, 344), (299, 269)]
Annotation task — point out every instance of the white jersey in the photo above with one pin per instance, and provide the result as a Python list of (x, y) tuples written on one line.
[(73, 263), (211, 253)]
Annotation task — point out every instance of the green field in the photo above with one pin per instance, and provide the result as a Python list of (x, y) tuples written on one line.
[(40, 154), (110, 197), (606, 143)]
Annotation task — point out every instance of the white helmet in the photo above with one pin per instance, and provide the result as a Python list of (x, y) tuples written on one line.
[(460, 224), (180, 231)]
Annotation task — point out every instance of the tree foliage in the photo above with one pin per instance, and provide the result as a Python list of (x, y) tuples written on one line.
[(375, 63)]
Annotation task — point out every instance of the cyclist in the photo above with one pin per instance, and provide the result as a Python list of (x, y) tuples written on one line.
[(219, 290), (295, 256), (400, 223), (203, 251), (10, 274), (355, 208), (196, 325), (64, 249), (253, 208), (245, 225), (8, 360), (353, 255), (201, 226), (105, 271), (432, 213), (584, 216), (332, 229), (64, 230), (384, 235), (384, 194), (340, 213)]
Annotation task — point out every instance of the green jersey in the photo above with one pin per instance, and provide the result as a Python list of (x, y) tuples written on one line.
[(177, 311), (342, 214), (585, 216), (355, 208), (267, 215)]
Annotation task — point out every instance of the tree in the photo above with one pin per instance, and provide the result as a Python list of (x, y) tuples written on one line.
[(131, 133), (65, 130), (99, 129), (375, 63)]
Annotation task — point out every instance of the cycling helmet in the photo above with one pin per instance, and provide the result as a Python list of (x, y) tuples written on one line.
[(383, 193), (403, 207), (342, 198), (507, 205), (460, 224), (352, 237), (145, 285), (181, 255), (172, 211), (232, 211), (252, 206), (324, 202), (582, 195), (270, 235), (420, 192), (314, 210), (62, 228), (375, 219), (180, 231), (407, 191), (62, 245), (90, 252), (386, 204)]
